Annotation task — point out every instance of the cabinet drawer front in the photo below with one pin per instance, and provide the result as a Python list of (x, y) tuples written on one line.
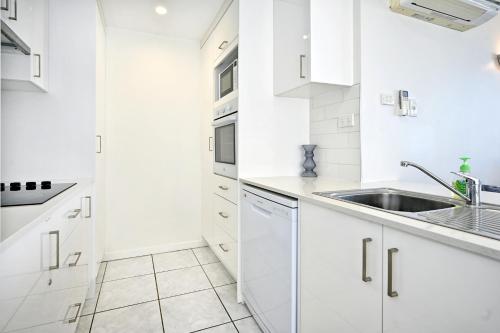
[(63, 278), (226, 248), (58, 306), (226, 188), (226, 216)]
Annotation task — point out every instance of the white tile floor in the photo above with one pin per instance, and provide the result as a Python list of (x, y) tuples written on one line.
[(175, 292)]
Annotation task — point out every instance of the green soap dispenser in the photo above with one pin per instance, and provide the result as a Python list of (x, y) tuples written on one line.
[(461, 184)]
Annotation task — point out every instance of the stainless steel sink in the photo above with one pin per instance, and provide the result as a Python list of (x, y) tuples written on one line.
[(392, 200), (481, 220)]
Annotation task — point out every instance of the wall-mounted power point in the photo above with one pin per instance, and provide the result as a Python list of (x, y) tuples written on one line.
[(413, 110), (346, 121), (387, 99)]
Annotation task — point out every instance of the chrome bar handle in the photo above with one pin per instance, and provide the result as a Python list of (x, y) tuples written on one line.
[(14, 18), (5, 5), (301, 60), (38, 64), (223, 215), (222, 248), (390, 292), (56, 266), (73, 214), (67, 320), (363, 274), (224, 188), (223, 45), (78, 255), (99, 137)]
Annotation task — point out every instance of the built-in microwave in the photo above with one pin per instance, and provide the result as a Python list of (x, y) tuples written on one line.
[(225, 148), (228, 79)]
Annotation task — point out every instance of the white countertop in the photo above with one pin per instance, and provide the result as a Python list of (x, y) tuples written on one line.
[(18, 219), (303, 188)]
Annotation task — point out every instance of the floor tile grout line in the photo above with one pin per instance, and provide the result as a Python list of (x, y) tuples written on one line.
[(98, 295), (158, 294), (210, 327), (215, 291), (127, 306)]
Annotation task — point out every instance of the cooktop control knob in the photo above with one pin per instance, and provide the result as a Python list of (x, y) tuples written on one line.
[(30, 186), (46, 185), (15, 186)]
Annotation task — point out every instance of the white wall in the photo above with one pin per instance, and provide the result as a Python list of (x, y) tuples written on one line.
[(271, 129), (457, 86), (51, 136), (153, 166), (338, 153)]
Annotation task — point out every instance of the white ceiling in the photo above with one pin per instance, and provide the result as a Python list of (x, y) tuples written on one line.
[(185, 18)]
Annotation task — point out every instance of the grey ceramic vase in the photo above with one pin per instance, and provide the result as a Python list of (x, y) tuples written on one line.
[(309, 163)]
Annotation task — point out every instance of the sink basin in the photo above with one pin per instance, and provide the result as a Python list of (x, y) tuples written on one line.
[(481, 220), (392, 200)]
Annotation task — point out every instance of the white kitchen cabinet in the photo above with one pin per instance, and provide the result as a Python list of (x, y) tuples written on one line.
[(27, 72), (340, 272), (439, 288), (315, 47), (416, 284), (18, 15), (45, 267), (225, 31)]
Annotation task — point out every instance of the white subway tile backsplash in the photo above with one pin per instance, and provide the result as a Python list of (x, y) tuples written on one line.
[(334, 96), (338, 154), (352, 92)]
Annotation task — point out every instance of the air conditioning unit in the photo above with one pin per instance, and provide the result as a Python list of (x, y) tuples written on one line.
[(460, 15)]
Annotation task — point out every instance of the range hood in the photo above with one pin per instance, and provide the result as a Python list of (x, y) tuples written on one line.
[(12, 41)]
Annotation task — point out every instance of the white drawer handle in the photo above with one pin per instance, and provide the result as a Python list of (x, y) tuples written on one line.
[(224, 188), (222, 248), (223, 215), (73, 214), (67, 320)]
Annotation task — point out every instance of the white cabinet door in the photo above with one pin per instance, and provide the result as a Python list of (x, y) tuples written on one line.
[(314, 46), (18, 15), (226, 30), (340, 272), (291, 44), (440, 289)]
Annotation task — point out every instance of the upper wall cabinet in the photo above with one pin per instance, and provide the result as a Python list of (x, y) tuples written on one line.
[(24, 45), (315, 46), (226, 30)]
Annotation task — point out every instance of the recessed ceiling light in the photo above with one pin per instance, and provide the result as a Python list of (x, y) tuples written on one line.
[(160, 10)]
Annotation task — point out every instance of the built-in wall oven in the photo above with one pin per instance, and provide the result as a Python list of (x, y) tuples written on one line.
[(225, 148)]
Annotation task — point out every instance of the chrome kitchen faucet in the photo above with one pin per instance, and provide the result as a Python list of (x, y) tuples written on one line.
[(473, 196)]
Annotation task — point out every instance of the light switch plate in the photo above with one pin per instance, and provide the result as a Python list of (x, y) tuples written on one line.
[(346, 121), (387, 99)]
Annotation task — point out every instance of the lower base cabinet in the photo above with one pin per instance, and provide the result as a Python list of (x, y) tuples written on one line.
[(358, 276), (45, 274), (340, 272), (439, 288)]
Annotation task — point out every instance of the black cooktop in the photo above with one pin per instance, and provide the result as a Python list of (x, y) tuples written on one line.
[(31, 193)]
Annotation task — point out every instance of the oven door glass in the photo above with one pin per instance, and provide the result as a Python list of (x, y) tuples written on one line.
[(226, 82), (225, 148)]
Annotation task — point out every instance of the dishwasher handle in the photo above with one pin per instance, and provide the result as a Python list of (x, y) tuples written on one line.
[(262, 211)]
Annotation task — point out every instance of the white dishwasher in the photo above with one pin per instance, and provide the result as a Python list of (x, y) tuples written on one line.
[(269, 258)]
